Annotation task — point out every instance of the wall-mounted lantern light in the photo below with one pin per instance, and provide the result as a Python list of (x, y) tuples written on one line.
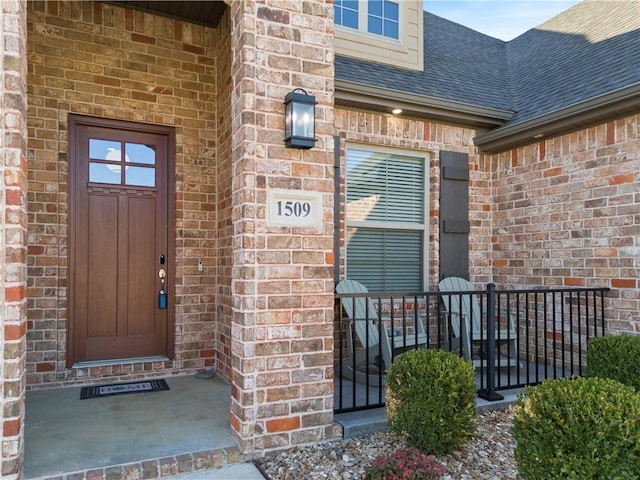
[(299, 119)]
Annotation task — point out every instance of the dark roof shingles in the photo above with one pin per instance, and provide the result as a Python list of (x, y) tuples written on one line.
[(460, 65), (589, 50)]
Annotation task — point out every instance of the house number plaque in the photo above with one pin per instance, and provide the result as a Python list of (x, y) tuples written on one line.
[(295, 208)]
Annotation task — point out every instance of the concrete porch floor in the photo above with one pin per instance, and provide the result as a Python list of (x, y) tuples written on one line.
[(181, 432), (171, 432)]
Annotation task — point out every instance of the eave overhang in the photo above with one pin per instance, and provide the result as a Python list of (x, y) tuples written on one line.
[(574, 117), (207, 12), (368, 98)]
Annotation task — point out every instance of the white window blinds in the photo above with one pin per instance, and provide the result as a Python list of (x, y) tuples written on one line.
[(385, 220)]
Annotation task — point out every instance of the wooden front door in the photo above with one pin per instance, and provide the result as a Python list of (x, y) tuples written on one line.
[(119, 219)]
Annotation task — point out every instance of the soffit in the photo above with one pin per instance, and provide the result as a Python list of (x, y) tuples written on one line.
[(375, 99), (207, 13)]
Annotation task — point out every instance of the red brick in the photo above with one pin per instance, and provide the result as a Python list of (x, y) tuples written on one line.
[(557, 336), (606, 252), (623, 283), (622, 178), (552, 172), (329, 258), (13, 196), (15, 294), (45, 367), (137, 37), (10, 428), (283, 424), (611, 133), (15, 332)]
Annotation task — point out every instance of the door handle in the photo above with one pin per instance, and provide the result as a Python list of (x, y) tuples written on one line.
[(162, 294)]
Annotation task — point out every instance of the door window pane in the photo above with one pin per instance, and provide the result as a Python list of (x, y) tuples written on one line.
[(140, 176), (108, 161), (98, 149), (104, 173), (138, 153)]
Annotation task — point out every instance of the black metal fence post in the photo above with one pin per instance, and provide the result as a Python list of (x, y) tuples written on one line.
[(489, 393)]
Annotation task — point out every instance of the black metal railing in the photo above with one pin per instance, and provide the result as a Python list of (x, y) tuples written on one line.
[(513, 338)]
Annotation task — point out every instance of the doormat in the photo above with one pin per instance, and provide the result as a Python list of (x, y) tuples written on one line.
[(98, 391)]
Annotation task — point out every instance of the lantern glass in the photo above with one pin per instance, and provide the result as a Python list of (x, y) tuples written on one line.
[(302, 121), (300, 110)]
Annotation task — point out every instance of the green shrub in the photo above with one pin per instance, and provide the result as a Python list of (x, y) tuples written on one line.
[(578, 429), (405, 464), (431, 399), (616, 357)]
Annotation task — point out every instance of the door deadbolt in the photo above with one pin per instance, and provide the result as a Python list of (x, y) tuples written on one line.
[(162, 294)]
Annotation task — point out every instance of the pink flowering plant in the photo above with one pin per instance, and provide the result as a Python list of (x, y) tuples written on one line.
[(405, 464)]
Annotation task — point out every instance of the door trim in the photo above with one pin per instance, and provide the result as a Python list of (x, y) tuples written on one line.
[(74, 121)]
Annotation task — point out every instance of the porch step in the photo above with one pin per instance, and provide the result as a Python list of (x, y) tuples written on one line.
[(365, 422), (203, 465), (239, 471)]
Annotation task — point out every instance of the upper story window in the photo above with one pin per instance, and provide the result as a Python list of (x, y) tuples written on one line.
[(379, 17), (347, 13), (383, 18)]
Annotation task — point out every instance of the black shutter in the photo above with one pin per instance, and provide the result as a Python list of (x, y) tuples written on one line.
[(454, 214)]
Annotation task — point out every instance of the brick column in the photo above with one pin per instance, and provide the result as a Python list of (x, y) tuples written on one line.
[(282, 285), (13, 224)]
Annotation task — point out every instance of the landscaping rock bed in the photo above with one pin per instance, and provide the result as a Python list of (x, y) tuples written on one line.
[(488, 457)]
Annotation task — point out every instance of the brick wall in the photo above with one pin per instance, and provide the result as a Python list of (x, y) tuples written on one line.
[(282, 373), (560, 212), (566, 212), (101, 60), (223, 251), (13, 204)]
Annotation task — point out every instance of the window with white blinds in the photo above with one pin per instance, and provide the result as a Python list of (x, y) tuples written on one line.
[(385, 219)]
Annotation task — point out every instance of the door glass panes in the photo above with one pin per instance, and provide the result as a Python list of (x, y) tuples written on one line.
[(104, 173), (138, 153), (140, 176), (98, 149), (107, 162)]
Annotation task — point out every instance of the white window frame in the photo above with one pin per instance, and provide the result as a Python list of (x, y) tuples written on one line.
[(363, 22), (424, 227)]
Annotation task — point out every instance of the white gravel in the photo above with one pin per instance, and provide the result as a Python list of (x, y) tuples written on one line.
[(488, 457)]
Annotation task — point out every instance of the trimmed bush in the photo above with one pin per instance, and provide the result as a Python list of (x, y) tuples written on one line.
[(405, 464), (616, 357), (431, 399), (578, 429)]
